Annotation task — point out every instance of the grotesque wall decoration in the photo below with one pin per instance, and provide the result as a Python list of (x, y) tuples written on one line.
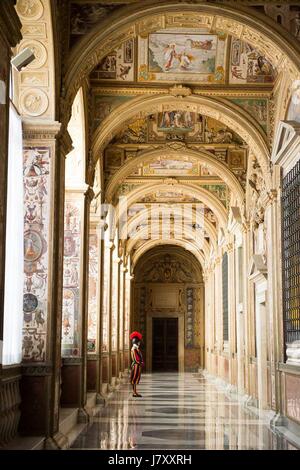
[(118, 65), (247, 65), (71, 282), (36, 226)]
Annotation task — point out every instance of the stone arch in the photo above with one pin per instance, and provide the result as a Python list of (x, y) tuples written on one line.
[(205, 248), (229, 115), (186, 244), (204, 156), (197, 192), (208, 226)]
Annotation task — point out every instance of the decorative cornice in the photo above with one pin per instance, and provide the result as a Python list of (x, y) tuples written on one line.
[(225, 91), (40, 130), (74, 361), (37, 369)]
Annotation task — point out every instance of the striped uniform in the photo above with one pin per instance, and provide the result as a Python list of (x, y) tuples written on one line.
[(136, 366)]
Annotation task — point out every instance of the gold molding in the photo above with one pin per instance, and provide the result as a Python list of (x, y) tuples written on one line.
[(148, 90)]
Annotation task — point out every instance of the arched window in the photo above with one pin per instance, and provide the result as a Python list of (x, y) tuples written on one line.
[(225, 296), (290, 254)]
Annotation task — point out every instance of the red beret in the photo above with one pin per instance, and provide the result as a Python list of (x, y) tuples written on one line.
[(136, 334)]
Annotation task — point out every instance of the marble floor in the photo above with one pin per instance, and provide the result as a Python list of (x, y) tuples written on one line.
[(177, 411)]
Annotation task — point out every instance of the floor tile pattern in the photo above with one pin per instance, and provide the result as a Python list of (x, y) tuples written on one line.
[(178, 411)]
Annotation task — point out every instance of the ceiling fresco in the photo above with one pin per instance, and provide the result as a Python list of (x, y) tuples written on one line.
[(85, 15), (257, 108), (119, 65), (182, 57), (172, 56), (196, 131), (174, 124)]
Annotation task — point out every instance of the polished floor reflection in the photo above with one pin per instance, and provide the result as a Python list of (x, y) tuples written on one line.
[(177, 411)]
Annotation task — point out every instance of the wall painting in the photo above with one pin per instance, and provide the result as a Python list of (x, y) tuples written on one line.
[(71, 278), (36, 227)]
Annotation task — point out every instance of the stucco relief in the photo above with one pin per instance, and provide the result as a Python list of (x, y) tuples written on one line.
[(34, 102), (36, 82), (32, 9)]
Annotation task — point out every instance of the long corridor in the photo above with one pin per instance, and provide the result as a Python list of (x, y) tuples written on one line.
[(178, 411)]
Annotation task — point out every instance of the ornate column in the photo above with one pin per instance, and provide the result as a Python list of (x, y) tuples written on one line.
[(122, 316), (232, 313), (93, 344), (258, 276), (127, 311), (247, 298), (273, 240), (45, 148), (88, 197), (106, 315), (10, 35), (75, 297), (218, 311), (209, 319), (240, 302), (115, 314)]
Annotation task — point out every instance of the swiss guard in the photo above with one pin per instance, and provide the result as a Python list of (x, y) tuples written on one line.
[(137, 361)]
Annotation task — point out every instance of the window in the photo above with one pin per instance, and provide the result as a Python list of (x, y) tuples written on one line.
[(225, 296), (291, 254), (14, 252)]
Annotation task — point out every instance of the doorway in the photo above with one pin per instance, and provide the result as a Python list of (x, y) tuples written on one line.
[(165, 345)]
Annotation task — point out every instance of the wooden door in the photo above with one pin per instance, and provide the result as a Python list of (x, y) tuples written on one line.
[(165, 345)]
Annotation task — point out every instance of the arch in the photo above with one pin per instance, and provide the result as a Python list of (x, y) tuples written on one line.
[(228, 114), (244, 23), (205, 248), (211, 201), (204, 156), (76, 158), (208, 226), (148, 245), (155, 249), (186, 244)]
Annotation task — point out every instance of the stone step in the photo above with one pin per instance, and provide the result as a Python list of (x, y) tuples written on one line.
[(26, 443), (69, 426), (91, 400), (67, 419)]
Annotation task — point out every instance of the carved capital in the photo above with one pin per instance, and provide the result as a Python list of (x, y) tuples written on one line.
[(65, 141), (89, 194), (33, 130)]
